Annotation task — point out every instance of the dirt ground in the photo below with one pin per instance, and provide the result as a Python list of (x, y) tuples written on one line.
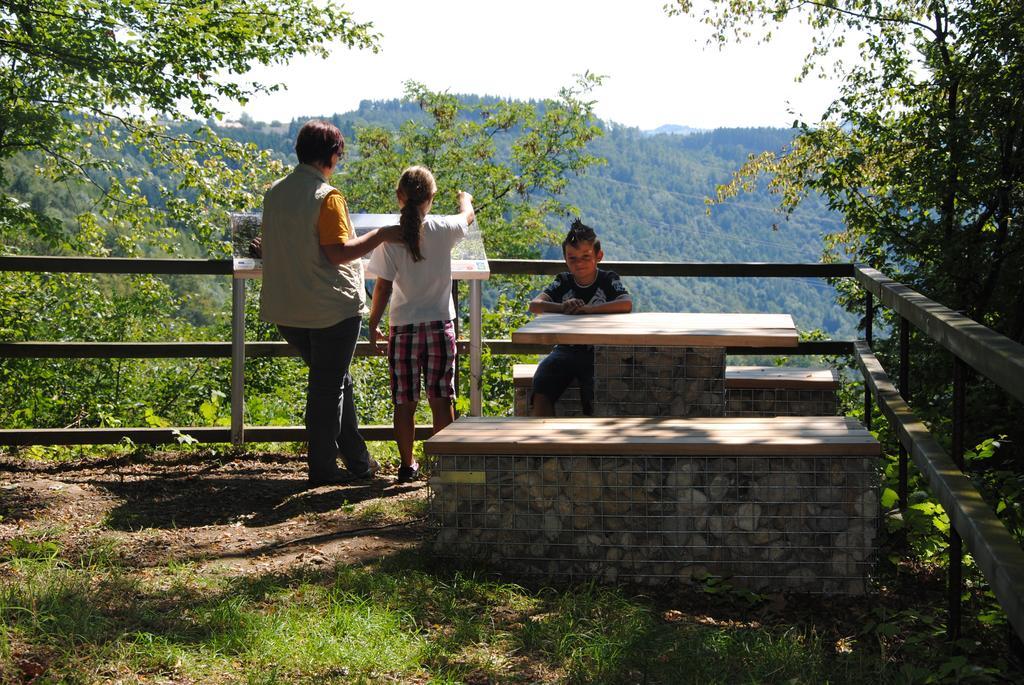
[(242, 515)]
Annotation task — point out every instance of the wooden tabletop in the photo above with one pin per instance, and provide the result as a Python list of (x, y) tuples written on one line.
[(594, 436), (661, 329)]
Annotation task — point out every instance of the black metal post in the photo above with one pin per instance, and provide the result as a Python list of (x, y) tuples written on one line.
[(956, 580), (955, 542), (455, 299), (905, 394), (959, 387), (1014, 645), (869, 323)]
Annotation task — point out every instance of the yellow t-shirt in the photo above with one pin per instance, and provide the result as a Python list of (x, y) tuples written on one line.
[(334, 225)]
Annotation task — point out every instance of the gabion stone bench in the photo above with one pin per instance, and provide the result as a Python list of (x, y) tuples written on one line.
[(786, 503), (749, 391), (780, 391)]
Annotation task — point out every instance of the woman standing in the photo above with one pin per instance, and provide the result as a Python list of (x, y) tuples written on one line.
[(313, 290)]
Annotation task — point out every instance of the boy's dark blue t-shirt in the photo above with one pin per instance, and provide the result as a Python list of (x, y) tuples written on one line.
[(605, 288)]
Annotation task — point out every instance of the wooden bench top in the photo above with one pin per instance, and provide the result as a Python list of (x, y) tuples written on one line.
[(735, 377), (792, 378), (782, 435), (661, 328), (522, 374)]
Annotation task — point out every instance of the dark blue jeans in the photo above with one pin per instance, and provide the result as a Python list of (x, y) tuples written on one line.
[(558, 370), (331, 423)]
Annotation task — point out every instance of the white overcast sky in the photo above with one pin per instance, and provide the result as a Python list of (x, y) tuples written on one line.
[(659, 68)]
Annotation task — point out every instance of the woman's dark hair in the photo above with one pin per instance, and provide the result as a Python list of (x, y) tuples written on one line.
[(578, 233), (317, 142), (417, 186)]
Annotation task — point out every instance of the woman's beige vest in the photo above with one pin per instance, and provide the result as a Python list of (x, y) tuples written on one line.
[(300, 287)]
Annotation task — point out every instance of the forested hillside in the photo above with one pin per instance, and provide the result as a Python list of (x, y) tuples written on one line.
[(648, 203)]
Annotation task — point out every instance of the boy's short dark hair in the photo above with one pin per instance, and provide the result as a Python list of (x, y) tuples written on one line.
[(578, 233), (317, 142)]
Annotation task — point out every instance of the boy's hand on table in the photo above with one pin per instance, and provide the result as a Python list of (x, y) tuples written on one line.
[(573, 306)]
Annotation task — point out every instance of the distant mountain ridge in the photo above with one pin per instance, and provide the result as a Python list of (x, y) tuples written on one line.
[(674, 130)]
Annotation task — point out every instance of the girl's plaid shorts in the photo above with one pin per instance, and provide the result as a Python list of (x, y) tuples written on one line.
[(422, 349)]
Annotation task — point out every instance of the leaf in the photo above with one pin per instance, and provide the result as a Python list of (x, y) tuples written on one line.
[(27, 549), (152, 419), (184, 438), (208, 411), (889, 498)]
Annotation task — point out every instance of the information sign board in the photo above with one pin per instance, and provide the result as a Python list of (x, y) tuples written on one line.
[(469, 261)]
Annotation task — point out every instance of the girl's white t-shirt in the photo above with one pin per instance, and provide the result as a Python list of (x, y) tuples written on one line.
[(422, 290)]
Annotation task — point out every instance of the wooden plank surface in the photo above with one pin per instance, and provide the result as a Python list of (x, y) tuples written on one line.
[(522, 375), (790, 435), (792, 378), (795, 378), (661, 328)]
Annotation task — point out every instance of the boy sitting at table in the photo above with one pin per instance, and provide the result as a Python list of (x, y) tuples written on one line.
[(583, 289)]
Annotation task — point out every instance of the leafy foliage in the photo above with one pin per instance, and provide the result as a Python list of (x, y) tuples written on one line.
[(514, 157), (115, 72), (922, 153)]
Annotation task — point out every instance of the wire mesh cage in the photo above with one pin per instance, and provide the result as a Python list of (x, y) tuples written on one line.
[(659, 381), (805, 523), (780, 402)]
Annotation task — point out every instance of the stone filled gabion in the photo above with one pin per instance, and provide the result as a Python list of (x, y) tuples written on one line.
[(803, 523), (767, 402), (659, 381), (568, 404), (647, 381)]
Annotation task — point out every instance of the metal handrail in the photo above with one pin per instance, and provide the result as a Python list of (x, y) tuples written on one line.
[(996, 552), (995, 356), (115, 265), (549, 267)]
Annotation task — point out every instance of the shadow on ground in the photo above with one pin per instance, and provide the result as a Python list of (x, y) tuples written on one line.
[(220, 500)]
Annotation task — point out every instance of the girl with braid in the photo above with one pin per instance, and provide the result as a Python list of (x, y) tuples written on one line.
[(421, 342)]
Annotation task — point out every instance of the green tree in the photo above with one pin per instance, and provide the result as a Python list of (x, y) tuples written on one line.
[(514, 157), (119, 73), (922, 152), (100, 96)]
